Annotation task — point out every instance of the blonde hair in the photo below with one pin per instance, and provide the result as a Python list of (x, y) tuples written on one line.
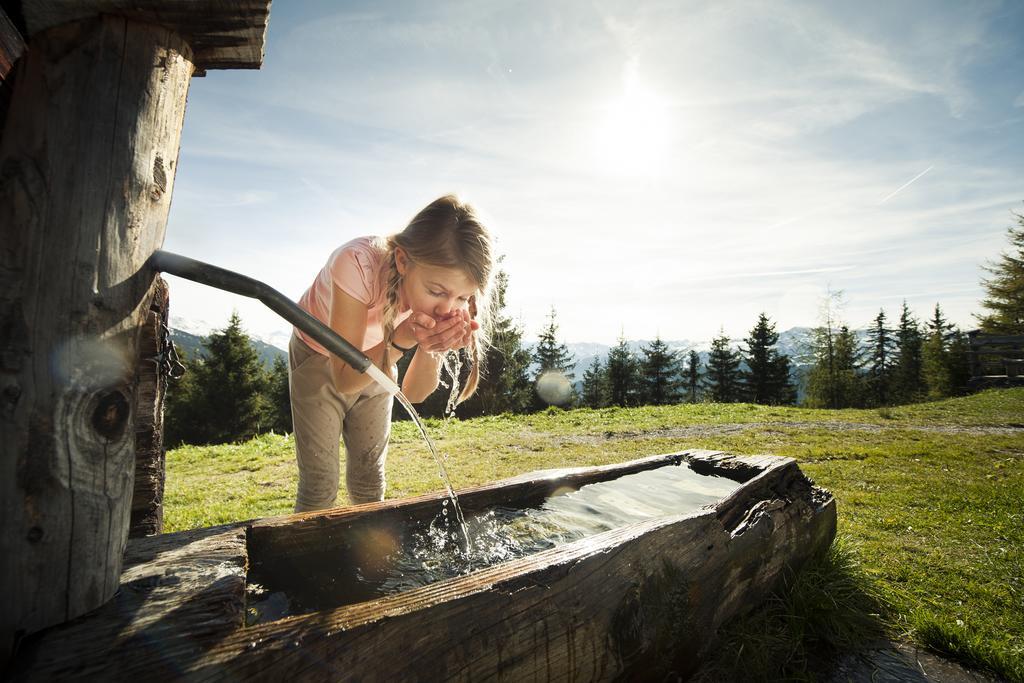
[(447, 234)]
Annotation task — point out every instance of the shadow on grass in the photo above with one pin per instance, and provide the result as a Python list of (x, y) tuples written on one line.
[(954, 642), (827, 609)]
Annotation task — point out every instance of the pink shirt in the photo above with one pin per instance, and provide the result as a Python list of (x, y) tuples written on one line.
[(357, 268)]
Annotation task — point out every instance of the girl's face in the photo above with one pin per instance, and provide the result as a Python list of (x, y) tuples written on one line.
[(438, 292)]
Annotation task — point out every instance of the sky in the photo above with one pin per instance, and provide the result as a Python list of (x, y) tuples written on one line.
[(647, 168)]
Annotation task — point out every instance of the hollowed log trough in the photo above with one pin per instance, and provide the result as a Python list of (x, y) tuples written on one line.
[(625, 603)]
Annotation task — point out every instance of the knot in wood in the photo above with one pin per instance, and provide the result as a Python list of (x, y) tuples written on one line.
[(110, 415), (11, 394), (159, 179)]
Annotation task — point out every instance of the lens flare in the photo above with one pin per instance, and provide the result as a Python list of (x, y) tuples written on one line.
[(554, 388)]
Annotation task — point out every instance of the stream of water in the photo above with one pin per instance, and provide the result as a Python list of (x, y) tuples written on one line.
[(378, 375)]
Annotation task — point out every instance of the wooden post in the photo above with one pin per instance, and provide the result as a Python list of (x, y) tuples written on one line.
[(87, 163), (148, 495), (11, 46)]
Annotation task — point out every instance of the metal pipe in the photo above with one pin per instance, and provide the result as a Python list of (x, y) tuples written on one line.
[(206, 274)]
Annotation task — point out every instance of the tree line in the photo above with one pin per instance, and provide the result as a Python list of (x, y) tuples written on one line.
[(227, 395)]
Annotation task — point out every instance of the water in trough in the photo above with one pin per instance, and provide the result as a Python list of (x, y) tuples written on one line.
[(372, 558)]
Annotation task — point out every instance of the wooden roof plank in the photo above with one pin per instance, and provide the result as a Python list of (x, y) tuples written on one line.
[(224, 34)]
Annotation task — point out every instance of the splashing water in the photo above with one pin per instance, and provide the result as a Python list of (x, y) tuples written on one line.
[(383, 557), (459, 517), (453, 366), (378, 375)]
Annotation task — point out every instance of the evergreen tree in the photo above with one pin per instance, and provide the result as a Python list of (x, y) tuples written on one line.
[(882, 349), (834, 380), (660, 371), (220, 397), (851, 389), (936, 359), (505, 385), (278, 403), (551, 355), (231, 380), (1004, 290), (623, 375), (908, 373), (959, 363), (822, 386), (766, 379), (595, 386), (722, 379), (693, 375), (184, 417)]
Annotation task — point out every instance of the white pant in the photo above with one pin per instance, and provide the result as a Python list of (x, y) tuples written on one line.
[(321, 415)]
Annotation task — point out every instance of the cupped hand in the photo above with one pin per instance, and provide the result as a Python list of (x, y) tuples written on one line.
[(437, 336)]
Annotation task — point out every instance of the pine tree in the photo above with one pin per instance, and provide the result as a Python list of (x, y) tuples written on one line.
[(278, 404), (908, 373), (834, 380), (595, 386), (660, 371), (1004, 290), (935, 357), (550, 355), (882, 349), (766, 379), (505, 385), (623, 375), (722, 379), (231, 380), (693, 375), (959, 363), (851, 389), (822, 386), (184, 417)]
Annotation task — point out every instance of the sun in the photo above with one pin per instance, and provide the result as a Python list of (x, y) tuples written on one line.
[(632, 135)]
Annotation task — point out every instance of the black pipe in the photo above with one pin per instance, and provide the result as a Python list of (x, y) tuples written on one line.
[(206, 274)]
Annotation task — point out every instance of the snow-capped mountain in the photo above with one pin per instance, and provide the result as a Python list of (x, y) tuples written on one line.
[(201, 328), (794, 342), (187, 335)]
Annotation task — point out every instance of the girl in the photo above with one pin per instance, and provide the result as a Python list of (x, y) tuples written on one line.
[(424, 288)]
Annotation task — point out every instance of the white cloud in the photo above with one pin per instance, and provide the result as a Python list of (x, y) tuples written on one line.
[(798, 136)]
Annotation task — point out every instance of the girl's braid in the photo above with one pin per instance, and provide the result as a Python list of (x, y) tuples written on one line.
[(391, 303)]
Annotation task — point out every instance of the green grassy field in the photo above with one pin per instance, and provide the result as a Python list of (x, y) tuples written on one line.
[(931, 498)]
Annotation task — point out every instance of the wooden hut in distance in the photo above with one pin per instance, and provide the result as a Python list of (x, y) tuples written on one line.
[(92, 103)]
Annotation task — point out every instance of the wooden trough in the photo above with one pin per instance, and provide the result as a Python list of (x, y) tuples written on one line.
[(624, 603)]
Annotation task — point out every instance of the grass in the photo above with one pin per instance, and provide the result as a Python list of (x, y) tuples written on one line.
[(930, 504), (827, 609)]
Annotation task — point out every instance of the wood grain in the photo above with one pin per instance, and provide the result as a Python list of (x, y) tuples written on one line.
[(222, 34), (617, 605), (147, 512), (87, 167)]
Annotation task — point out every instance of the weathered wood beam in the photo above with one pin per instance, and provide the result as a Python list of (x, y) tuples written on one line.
[(12, 45), (607, 607), (87, 167), (223, 34), (148, 494)]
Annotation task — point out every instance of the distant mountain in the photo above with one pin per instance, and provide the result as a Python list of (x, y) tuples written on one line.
[(794, 342), (190, 344)]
